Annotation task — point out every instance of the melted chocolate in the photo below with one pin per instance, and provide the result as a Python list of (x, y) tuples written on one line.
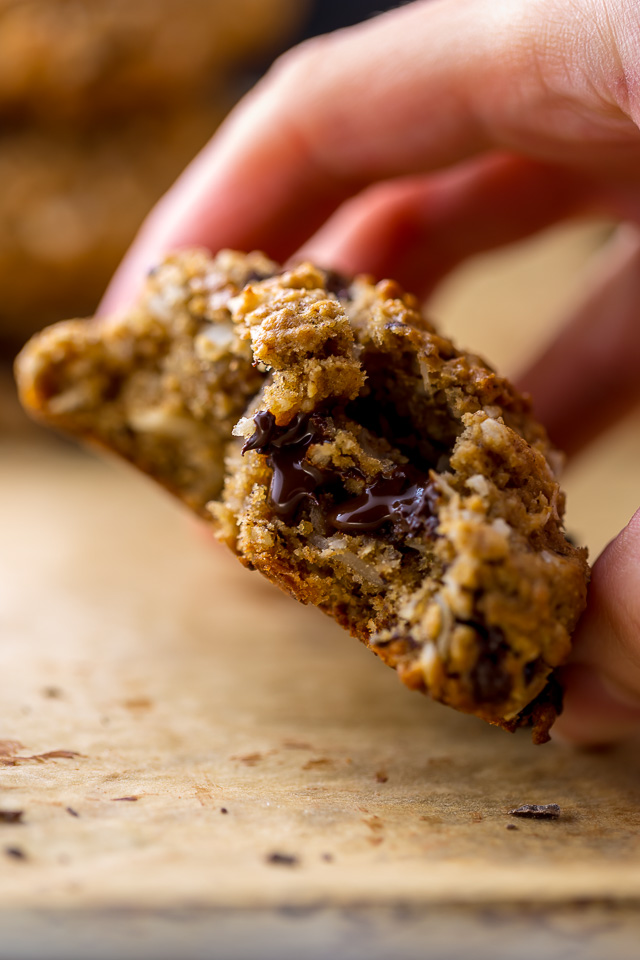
[(407, 497), (265, 428), (405, 500), (286, 447)]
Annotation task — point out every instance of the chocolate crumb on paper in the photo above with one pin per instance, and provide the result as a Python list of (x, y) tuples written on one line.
[(72, 812), (537, 811), (283, 859), (11, 816), (15, 853)]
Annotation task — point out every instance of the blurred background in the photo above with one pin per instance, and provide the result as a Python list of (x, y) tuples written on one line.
[(103, 103)]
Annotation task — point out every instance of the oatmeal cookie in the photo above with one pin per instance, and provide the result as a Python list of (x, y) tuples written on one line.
[(341, 446), (82, 57), (75, 203)]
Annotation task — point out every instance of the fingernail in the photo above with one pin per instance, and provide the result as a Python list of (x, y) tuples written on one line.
[(596, 710)]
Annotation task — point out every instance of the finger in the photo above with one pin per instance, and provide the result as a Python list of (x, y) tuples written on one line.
[(411, 91), (589, 376), (602, 701), (416, 230)]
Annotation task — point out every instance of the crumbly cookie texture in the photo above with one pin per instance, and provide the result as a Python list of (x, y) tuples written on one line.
[(341, 446)]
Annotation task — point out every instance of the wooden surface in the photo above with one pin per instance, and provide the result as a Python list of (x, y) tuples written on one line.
[(172, 685)]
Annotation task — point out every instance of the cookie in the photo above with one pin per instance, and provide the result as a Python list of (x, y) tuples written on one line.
[(78, 58), (342, 447), (75, 204)]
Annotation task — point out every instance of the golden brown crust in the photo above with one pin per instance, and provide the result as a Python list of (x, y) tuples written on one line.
[(371, 469)]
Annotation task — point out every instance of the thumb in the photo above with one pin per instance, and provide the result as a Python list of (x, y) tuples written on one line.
[(602, 683)]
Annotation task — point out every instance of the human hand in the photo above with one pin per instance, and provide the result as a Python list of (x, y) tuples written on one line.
[(404, 145)]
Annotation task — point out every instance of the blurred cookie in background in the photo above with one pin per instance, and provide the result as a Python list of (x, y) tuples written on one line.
[(74, 205), (79, 58), (102, 105)]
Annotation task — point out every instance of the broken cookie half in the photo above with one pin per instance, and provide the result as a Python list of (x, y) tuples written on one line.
[(338, 444)]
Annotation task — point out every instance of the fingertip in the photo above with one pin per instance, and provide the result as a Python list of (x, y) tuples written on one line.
[(597, 711)]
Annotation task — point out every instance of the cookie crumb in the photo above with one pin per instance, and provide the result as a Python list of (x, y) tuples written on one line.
[(223, 810), (511, 826), (138, 703), (537, 811), (316, 762), (382, 776), (72, 812), (249, 758)]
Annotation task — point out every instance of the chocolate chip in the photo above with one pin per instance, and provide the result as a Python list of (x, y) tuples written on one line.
[(223, 810), (283, 859), (337, 283), (537, 811), (491, 683)]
